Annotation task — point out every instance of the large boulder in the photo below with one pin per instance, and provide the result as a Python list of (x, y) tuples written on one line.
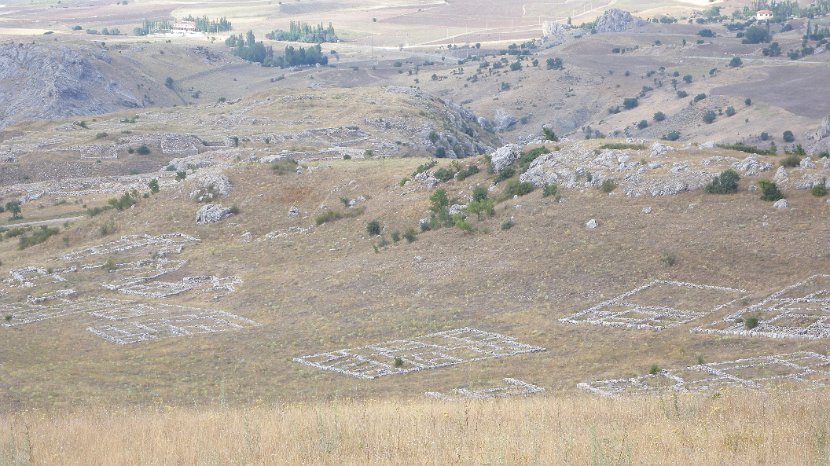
[(504, 157), (212, 213), (207, 187), (502, 121), (616, 20)]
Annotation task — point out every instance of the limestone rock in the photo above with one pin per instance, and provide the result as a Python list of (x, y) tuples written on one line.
[(502, 121), (807, 163), (591, 224), (504, 156), (208, 187), (616, 20), (752, 166), (456, 209), (781, 204), (293, 212), (781, 176), (658, 150), (212, 213)]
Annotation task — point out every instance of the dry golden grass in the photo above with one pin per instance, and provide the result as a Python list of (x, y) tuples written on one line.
[(736, 428)]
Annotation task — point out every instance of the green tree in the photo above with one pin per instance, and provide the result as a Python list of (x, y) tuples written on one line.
[(439, 200), (14, 208), (153, 185)]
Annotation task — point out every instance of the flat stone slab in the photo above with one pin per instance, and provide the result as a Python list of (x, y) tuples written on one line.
[(798, 311), (658, 305), (794, 371), (512, 387), (431, 351)]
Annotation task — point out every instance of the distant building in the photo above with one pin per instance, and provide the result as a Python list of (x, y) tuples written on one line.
[(763, 15), (184, 26)]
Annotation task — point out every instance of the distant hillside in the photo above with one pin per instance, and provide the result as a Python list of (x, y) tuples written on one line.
[(59, 81)]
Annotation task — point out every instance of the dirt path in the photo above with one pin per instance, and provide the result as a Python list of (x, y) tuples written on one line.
[(51, 221)]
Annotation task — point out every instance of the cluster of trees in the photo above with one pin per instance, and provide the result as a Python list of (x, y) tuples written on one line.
[(756, 35), (302, 56), (204, 24), (150, 26), (247, 48), (304, 32)]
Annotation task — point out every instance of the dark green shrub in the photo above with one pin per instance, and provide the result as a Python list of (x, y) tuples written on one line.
[(726, 183), (143, 150), (820, 190), (659, 116), (549, 135), (791, 160), (38, 236), (730, 111), (396, 236), (506, 173), (462, 224), (709, 117), (507, 224), (410, 235), (608, 185), (672, 136), (699, 97), (735, 62), (682, 94), (373, 228), (528, 157), (479, 193), (467, 172), (482, 208), (515, 188), (643, 124), (751, 322), (789, 136), (439, 200), (444, 174), (551, 190), (153, 185), (654, 369), (181, 175), (424, 167), (124, 202), (630, 102), (770, 191)]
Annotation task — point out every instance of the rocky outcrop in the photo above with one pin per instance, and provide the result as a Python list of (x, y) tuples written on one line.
[(207, 187), (212, 213), (616, 20), (59, 82), (818, 142), (503, 121), (504, 156), (576, 166)]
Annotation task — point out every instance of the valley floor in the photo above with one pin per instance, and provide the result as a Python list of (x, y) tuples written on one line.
[(733, 428)]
